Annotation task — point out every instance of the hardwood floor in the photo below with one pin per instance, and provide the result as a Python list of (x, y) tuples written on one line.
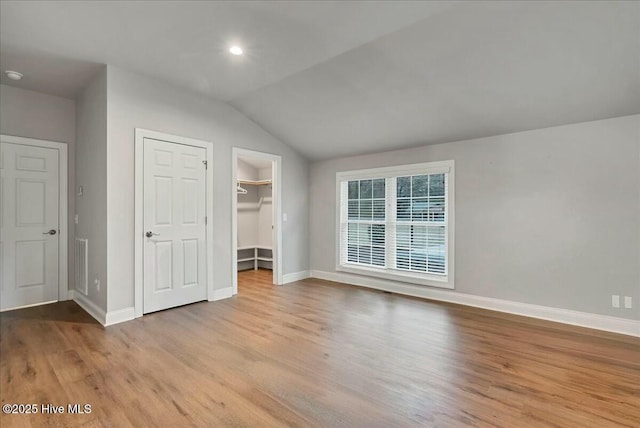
[(316, 353)]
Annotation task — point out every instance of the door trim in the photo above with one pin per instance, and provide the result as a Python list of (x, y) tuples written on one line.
[(277, 212), (140, 135), (63, 206)]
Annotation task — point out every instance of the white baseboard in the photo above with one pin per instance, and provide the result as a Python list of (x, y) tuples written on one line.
[(91, 308), (566, 316), (104, 318), (28, 306), (296, 276), (121, 315), (68, 296), (222, 293)]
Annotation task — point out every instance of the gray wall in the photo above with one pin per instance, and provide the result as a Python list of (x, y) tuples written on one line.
[(246, 171), (548, 217), (91, 174), (45, 117), (136, 101)]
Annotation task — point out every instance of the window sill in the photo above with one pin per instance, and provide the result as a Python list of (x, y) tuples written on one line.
[(400, 276)]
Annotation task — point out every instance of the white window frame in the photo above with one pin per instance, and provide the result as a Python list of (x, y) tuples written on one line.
[(441, 281)]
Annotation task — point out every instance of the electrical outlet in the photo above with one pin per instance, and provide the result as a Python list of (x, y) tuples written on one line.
[(628, 302), (615, 300), (97, 284), (75, 219)]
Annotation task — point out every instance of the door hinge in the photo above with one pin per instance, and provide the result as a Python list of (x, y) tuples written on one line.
[(205, 220), (205, 163)]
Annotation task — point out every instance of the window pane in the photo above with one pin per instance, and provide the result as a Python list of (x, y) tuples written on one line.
[(404, 187), (419, 209), (352, 242), (353, 190), (437, 268), (377, 234), (352, 253), (419, 240), (436, 185), (378, 209), (354, 211), (436, 209), (366, 243), (418, 248), (366, 209), (436, 249), (402, 258), (436, 237), (418, 261), (365, 254), (366, 191), (364, 234), (419, 186), (352, 234), (403, 209), (403, 236), (377, 256), (378, 188), (435, 263)]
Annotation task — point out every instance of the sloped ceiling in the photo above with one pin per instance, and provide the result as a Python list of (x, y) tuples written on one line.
[(340, 78), (473, 71), (187, 42)]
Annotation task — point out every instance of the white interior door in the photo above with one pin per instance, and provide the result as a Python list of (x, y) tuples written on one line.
[(175, 267), (29, 222)]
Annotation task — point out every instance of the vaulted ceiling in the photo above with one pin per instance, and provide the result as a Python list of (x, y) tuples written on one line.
[(340, 78)]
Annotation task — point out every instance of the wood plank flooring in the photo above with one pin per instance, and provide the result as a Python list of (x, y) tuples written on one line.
[(316, 353)]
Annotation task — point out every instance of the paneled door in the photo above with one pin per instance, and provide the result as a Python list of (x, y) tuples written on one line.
[(29, 219), (175, 266)]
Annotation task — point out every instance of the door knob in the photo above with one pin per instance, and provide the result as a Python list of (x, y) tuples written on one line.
[(51, 232), (150, 234)]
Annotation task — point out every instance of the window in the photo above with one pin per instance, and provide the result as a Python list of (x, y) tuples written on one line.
[(396, 223)]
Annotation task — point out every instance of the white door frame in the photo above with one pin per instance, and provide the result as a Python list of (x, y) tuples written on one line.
[(140, 135), (276, 162), (63, 206)]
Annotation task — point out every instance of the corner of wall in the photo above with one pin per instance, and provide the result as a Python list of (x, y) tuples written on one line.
[(90, 165)]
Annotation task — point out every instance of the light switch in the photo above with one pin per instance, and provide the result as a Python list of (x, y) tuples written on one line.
[(615, 300)]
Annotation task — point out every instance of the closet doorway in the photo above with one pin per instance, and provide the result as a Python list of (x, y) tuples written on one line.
[(256, 215)]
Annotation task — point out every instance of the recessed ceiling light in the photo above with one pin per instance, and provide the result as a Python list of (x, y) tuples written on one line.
[(13, 75), (236, 50)]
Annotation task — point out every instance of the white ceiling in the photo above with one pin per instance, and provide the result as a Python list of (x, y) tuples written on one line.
[(340, 78)]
